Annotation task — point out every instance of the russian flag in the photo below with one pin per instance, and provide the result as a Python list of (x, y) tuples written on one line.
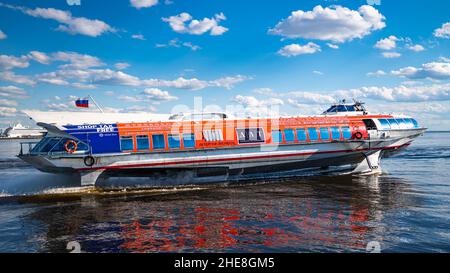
[(82, 103)]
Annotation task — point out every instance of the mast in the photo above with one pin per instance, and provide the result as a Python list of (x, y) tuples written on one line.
[(98, 106)]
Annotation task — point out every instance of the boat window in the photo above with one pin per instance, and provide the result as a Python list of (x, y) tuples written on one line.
[(409, 123), (301, 134), (158, 142), (289, 135), (277, 137), (324, 133), (331, 109), (44, 141), (416, 124), (335, 133), (213, 135), (313, 135), (402, 124), (346, 132), (384, 124), (350, 108), (142, 142), (341, 108), (174, 141), (188, 140), (126, 143), (393, 123), (250, 135)]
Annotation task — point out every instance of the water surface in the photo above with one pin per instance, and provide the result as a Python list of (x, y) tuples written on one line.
[(406, 209)]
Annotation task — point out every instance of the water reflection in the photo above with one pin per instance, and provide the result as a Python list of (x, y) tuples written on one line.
[(304, 214)]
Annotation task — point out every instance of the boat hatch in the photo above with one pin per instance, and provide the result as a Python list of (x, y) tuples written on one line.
[(51, 145), (370, 124)]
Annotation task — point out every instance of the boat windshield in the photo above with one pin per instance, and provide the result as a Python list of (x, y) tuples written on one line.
[(56, 145)]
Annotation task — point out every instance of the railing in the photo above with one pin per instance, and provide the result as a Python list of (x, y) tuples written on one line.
[(29, 145)]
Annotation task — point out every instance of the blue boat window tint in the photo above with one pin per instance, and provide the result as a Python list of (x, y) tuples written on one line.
[(126, 143), (324, 133), (301, 134), (335, 133), (289, 135), (158, 142), (416, 124), (188, 140), (49, 145), (384, 124), (81, 146), (142, 142), (174, 141), (341, 108), (408, 122), (393, 123), (350, 108), (346, 132), (313, 135), (277, 137)]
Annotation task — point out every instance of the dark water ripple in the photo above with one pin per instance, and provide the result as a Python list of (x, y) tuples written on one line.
[(407, 209)]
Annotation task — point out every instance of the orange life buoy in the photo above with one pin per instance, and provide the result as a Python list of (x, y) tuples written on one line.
[(72, 149), (358, 135)]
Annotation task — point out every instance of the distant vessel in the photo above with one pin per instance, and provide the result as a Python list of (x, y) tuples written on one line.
[(20, 131), (212, 147)]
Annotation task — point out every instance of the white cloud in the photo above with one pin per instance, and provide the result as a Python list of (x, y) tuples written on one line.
[(387, 43), (443, 31), (7, 111), (391, 55), (176, 43), (69, 24), (264, 91), (12, 77), (138, 37), (9, 103), (143, 3), (11, 62), (2, 35), (121, 66), (179, 23), (155, 94), (377, 73), (14, 92), (228, 82), (318, 72), (336, 23), (416, 48), (333, 46), (296, 49), (310, 97), (76, 60), (39, 57), (433, 70)]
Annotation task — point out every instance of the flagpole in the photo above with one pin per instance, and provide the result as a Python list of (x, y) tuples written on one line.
[(98, 106)]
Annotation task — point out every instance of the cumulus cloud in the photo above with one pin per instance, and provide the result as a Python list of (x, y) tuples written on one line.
[(155, 94), (121, 66), (416, 48), (377, 73), (310, 97), (9, 103), (388, 43), (336, 23), (143, 3), (391, 55), (13, 92), (296, 49), (433, 70), (10, 62), (443, 31), (10, 76), (76, 60), (7, 111), (333, 46), (2, 35), (250, 101), (184, 23), (68, 23), (39, 57)]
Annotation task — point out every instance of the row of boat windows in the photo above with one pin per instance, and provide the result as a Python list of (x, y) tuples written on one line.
[(325, 133), (56, 144), (398, 123), (143, 142)]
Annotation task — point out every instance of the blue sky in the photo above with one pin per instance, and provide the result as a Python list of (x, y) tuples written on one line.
[(295, 57)]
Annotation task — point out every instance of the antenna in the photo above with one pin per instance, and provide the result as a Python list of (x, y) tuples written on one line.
[(98, 106)]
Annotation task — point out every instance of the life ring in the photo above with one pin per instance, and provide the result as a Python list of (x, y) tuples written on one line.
[(89, 161), (72, 149), (358, 135)]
